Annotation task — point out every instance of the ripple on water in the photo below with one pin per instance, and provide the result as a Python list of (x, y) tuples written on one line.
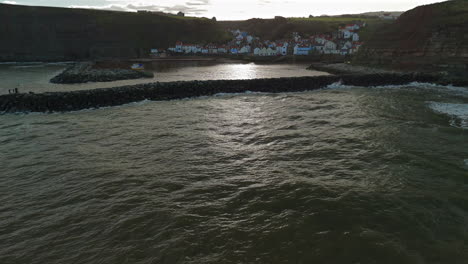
[(251, 178)]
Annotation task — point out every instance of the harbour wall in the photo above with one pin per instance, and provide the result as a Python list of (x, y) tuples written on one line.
[(96, 98)]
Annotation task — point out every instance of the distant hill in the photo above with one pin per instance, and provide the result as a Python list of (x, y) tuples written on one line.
[(56, 34), (381, 13), (428, 36)]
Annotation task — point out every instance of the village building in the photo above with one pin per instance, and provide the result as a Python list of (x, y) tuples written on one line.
[(212, 49), (270, 52), (347, 33), (178, 46), (352, 27), (245, 50), (302, 49), (234, 50), (282, 49), (257, 51), (319, 48), (388, 16), (355, 37), (344, 51), (329, 45), (222, 49), (263, 52)]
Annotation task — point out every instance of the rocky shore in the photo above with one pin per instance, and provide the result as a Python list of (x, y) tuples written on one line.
[(78, 100), (84, 72)]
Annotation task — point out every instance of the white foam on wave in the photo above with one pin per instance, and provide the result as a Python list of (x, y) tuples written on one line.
[(232, 94), (338, 85), (453, 90), (458, 112)]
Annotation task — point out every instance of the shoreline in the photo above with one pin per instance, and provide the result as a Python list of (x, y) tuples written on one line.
[(96, 98)]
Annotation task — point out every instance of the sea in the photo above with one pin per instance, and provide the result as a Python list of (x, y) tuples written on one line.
[(344, 174)]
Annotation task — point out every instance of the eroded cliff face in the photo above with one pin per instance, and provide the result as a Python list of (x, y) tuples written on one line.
[(57, 34), (432, 36)]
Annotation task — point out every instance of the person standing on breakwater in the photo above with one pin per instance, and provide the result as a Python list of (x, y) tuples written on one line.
[(13, 91)]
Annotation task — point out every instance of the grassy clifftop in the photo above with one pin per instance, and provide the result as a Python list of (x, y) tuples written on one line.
[(432, 35), (44, 33)]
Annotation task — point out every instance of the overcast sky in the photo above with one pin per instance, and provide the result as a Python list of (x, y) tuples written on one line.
[(239, 9)]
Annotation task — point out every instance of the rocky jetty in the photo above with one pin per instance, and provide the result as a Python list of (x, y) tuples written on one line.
[(77, 100), (84, 72), (344, 68)]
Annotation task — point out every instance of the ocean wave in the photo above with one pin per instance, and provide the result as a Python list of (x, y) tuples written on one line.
[(457, 112), (457, 90)]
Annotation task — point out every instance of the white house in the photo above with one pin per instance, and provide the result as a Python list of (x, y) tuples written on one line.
[(270, 52), (263, 52), (213, 49), (296, 36), (249, 39), (329, 45), (320, 40), (352, 27), (245, 49), (347, 33), (282, 49), (257, 51), (205, 50), (355, 37), (222, 49), (388, 16), (188, 48), (348, 44)]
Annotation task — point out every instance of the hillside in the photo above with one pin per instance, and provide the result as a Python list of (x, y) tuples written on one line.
[(283, 27), (54, 34), (428, 36)]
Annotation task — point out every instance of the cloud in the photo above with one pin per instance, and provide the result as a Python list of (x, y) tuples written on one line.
[(198, 3), (193, 7), (9, 2)]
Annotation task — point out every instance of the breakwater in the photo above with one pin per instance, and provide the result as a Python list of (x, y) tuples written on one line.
[(78, 100), (84, 72)]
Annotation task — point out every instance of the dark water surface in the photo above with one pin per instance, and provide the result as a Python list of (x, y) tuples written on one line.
[(342, 175)]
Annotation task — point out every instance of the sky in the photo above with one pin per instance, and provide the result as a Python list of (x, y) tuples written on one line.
[(238, 9)]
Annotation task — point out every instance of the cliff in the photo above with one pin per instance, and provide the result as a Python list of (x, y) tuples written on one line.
[(430, 36), (57, 34)]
